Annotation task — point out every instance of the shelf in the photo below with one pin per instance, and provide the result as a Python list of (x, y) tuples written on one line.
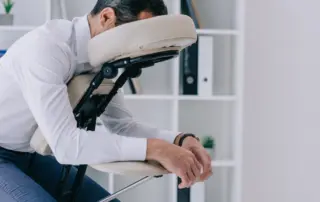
[(16, 28), (181, 97), (217, 32), (148, 97), (222, 163), (210, 98)]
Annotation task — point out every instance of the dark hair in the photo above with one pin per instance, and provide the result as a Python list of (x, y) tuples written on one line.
[(128, 10)]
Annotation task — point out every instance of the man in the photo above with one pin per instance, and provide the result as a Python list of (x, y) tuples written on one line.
[(33, 77)]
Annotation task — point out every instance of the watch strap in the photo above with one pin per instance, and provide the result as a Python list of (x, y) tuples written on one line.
[(184, 136)]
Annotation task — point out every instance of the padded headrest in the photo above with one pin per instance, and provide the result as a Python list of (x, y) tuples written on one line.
[(142, 37)]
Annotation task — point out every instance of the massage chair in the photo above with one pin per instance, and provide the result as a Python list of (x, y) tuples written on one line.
[(130, 48)]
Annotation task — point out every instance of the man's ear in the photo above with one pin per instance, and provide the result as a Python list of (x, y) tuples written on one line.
[(107, 18)]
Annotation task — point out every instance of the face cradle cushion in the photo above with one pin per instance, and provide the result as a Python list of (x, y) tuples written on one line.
[(152, 35), (145, 42)]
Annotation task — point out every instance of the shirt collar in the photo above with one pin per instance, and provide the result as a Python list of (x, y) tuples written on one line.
[(82, 37)]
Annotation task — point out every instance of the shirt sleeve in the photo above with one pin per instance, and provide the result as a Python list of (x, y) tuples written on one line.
[(120, 120), (40, 74)]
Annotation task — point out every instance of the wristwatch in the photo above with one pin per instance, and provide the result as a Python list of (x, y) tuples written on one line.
[(185, 135)]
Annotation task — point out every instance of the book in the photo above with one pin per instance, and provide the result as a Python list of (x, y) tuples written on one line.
[(205, 66), (189, 56)]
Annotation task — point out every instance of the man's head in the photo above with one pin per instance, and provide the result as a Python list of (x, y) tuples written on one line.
[(107, 14)]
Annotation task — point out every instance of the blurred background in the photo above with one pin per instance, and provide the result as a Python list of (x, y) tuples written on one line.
[(249, 88)]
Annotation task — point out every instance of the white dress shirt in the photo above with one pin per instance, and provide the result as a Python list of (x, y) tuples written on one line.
[(33, 93)]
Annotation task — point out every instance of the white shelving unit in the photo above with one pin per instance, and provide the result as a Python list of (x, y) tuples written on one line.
[(20, 3), (214, 32), (16, 28), (9, 34)]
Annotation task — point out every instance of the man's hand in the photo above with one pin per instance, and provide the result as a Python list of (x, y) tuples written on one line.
[(201, 154), (175, 159)]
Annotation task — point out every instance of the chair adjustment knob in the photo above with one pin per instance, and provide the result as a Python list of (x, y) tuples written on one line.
[(109, 72)]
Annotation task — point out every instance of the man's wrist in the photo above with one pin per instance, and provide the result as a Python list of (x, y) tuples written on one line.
[(154, 149), (177, 139)]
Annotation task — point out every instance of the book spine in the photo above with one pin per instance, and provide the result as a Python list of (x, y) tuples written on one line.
[(189, 65), (205, 66), (189, 57)]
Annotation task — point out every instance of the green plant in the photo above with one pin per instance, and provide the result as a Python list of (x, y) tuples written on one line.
[(8, 4), (208, 142)]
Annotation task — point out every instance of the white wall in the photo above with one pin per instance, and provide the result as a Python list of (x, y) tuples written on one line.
[(282, 130)]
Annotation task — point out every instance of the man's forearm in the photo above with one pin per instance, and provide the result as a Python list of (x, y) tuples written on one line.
[(127, 126)]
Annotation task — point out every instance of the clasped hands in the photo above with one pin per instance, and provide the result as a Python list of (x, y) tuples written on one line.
[(190, 161)]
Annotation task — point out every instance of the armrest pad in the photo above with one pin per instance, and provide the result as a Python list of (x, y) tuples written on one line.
[(132, 168)]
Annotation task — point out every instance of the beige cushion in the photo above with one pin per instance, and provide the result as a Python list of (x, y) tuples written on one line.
[(168, 32), (132, 168)]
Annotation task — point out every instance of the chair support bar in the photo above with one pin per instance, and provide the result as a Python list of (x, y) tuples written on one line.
[(129, 187)]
